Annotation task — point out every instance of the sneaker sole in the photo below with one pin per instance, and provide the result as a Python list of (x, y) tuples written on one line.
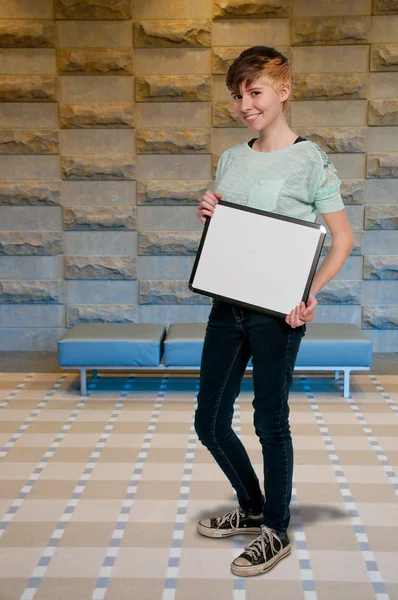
[(260, 569), (220, 533)]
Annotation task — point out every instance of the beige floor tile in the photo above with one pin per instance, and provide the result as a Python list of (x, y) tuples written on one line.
[(18, 562), (364, 457), (117, 471), (128, 588), (10, 488), (333, 590), (65, 588), (35, 440), (45, 489), (167, 455), (261, 588), (40, 427), (163, 472), (128, 427), (76, 562), (153, 511), (354, 430), (71, 455), (192, 539), (27, 535), (387, 563), (92, 427), (349, 565), (16, 470), (101, 511), (148, 535), (330, 537), (308, 457), (12, 588), (364, 474), (381, 431), (102, 490), (382, 514), (197, 589), (314, 474), (151, 490), (19, 454), (172, 428), (221, 491), (117, 455), (87, 535), (371, 492), (314, 492), (148, 563), (65, 471), (165, 440), (42, 510), (10, 426)]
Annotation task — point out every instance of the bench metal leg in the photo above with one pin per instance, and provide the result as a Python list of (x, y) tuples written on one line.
[(347, 374), (83, 382), (337, 375), (95, 374)]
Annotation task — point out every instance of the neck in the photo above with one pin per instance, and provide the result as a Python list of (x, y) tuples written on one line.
[(276, 136)]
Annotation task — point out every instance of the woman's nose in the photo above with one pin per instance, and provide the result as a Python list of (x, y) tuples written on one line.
[(246, 103)]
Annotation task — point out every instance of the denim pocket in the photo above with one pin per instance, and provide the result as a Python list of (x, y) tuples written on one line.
[(264, 194)]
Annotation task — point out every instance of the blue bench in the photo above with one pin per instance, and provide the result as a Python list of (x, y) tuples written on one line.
[(337, 347)]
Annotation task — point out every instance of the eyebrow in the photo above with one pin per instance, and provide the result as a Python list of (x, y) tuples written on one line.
[(251, 89)]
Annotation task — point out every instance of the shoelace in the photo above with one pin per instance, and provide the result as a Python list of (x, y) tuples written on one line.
[(230, 517), (260, 544)]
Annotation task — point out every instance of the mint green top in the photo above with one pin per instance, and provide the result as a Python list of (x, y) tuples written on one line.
[(298, 181)]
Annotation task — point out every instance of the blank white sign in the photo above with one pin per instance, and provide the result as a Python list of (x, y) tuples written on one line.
[(257, 259)]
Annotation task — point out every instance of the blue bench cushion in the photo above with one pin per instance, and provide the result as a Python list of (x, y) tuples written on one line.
[(112, 345), (183, 345), (324, 345)]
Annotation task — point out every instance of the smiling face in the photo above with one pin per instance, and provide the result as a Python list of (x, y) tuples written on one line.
[(259, 105)]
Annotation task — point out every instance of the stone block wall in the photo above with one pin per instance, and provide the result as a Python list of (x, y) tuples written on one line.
[(113, 115)]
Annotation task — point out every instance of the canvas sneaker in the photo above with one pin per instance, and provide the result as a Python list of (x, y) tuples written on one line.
[(262, 554), (232, 523)]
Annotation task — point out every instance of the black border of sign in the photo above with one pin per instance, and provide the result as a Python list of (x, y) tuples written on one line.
[(273, 216)]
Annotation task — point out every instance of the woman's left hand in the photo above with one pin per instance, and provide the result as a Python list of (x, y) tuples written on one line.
[(303, 313)]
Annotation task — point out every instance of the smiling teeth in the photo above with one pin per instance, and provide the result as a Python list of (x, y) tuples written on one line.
[(251, 118)]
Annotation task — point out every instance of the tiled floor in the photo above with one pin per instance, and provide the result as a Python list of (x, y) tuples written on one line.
[(99, 496)]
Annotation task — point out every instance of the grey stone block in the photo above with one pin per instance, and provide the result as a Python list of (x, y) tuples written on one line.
[(173, 141), (340, 292), (97, 167), (38, 339), (380, 166), (100, 243), (246, 9), (32, 218), (169, 292), (163, 166), (101, 292), (101, 313), (178, 313), (381, 216), (173, 88), (171, 34), (100, 218), (24, 315), (105, 193), (381, 241), (38, 193), (31, 292), (359, 241), (333, 30), (29, 141), (380, 317), (37, 243), (336, 139), (329, 86), (168, 218), (100, 267), (93, 9), (31, 267), (383, 112), (353, 191), (103, 61), (168, 242), (28, 88), (384, 57), (170, 193), (27, 34), (163, 267), (380, 267), (85, 115)]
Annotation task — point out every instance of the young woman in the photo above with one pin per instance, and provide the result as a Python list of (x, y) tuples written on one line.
[(280, 172)]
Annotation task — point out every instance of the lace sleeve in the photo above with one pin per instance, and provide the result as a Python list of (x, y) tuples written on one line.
[(327, 196)]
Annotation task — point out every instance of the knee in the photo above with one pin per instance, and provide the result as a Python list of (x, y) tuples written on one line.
[(272, 430), (204, 430)]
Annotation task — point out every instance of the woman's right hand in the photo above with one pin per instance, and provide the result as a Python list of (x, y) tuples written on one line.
[(207, 205)]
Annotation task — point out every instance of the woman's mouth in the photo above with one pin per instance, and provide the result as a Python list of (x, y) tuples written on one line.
[(252, 118)]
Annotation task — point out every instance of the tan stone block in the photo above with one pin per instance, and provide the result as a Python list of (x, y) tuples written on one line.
[(31, 243), (223, 57), (314, 8), (170, 193), (344, 139), (168, 242), (99, 218), (381, 216), (382, 166), (225, 138), (330, 59), (97, 141), (100, 267), (174, 88), (171, 34), (252, 32), (29, 115), (230, 9), (28, 61), (34, 166), (164, 115), (28, 89), (86, 115), (40, 193), (106, 61), (184, 61), (334, 30), (93, 9), (173, 141), (382, 139), (92, 34), (353, 191), (98, 193), (384, 57), (26, 9), (328, 113), (163, 166), (214, 162), (183, 9), (101, 313), (224, 116), (329, 86), (385, 29), (383, 112), (97, 167), (27, 34), (29, 141), (95, 88), (383, 85), (385, 7)]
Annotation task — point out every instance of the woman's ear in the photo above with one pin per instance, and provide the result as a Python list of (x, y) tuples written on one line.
[(285, 92)]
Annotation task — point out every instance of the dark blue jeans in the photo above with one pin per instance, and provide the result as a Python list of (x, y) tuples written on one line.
[(234, 335)]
